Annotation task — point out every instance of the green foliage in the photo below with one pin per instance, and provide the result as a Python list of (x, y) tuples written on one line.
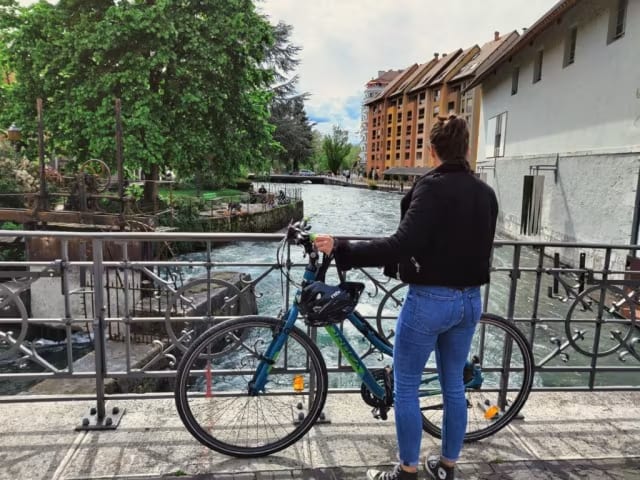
[(193, 79), (336, 147), (352, 159), (318, 159), (17, 176), (10, 226), (292, 128), (135, 191)]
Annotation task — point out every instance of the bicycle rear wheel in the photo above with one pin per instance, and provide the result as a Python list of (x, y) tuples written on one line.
[(212, 388), (506, 363)]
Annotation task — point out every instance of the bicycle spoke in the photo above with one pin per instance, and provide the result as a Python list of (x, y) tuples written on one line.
[(247, 424)]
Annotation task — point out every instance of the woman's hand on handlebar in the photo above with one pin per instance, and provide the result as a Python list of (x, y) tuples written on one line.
[(324, 243)]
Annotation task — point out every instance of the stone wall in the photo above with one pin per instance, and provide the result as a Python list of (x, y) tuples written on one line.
[(591, 200), (268, 221)]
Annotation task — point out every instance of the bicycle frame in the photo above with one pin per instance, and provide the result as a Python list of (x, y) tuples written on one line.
[(354, 360)]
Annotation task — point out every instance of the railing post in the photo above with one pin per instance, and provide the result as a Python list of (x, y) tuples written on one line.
[(98, 418), (508, 344)]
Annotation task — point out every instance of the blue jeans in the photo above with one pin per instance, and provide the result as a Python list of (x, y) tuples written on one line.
[(441, 319)]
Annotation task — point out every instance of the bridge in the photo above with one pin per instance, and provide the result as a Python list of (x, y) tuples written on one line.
[(110, 416)]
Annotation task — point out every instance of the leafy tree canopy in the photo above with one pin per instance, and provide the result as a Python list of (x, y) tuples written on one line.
[(194, 79), (336, 147)]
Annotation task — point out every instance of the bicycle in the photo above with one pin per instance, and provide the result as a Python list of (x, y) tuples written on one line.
[(241, 387)]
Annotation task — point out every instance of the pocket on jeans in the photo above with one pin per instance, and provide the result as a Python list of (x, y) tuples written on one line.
[(434, 316), (476, 310)]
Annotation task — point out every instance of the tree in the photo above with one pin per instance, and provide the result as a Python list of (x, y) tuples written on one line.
[(292, 127), (336, 147), (191, 75)]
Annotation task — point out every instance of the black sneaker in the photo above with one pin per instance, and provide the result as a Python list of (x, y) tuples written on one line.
[(396, 474), (437, 470)]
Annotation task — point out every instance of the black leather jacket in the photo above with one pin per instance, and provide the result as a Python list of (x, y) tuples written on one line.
[(445, 236)]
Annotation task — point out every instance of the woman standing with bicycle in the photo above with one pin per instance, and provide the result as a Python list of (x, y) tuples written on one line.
[(442, 249)]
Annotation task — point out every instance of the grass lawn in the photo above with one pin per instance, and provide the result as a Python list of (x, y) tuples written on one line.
[(192, 192)]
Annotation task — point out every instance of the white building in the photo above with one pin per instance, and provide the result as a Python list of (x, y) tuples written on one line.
[(374, 87), (562, 105)]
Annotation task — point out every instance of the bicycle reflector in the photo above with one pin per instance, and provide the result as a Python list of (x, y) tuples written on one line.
[(298, 383), (491, 412)]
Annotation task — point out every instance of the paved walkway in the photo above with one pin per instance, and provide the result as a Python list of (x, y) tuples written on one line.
[(564, 436)]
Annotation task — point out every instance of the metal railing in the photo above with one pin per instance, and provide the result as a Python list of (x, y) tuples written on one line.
[(573, 301)]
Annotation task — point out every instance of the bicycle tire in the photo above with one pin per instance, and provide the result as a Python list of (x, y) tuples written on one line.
[(218, 335), (504, 417)]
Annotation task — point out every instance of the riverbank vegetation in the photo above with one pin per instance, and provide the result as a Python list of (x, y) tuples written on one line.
[(208, 90)]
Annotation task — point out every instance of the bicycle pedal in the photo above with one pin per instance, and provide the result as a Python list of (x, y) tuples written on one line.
[(380, 413)]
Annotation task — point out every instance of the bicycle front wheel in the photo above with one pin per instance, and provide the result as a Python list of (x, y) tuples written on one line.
[(213, 388), (500, 387)]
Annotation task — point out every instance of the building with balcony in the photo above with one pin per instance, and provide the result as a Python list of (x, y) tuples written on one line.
[(373, 88), (401, 116)]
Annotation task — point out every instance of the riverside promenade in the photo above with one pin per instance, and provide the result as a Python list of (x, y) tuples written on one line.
[(577, 435)]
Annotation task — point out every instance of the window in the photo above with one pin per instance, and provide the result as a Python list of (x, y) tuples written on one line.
[(388, 131), (515, 76), (421, 98), (570, 47), (436, 111), (537, 67), (406, 155), (418, 155), (388, 157), (407, 144), (389, 118), (388, 144), (399, 117), (398, 156), (399, 130), (408, 129), (531, 204), (397, 144), (420, 128), (451, 107), (419, 143), (421, 114), (409, 115), (400, 102), (617, 21), (436, 95), (374, 123), (373, 157), (496, 130)]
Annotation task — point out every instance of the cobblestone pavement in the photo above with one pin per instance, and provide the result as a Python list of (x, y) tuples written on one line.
[(614, 469)]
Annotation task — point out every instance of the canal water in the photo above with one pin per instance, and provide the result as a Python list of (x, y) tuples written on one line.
[(342, 210)]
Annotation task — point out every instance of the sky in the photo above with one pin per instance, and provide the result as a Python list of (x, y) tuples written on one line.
[(346, 42)]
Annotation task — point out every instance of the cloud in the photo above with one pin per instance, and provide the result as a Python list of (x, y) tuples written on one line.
[(346, 42)]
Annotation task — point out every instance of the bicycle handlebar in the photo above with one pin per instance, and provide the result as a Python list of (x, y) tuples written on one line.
[(298, 233)]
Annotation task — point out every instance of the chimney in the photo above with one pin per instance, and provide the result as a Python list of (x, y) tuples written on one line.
[(436, 55), (380, 73), (444, 55), (524, 29), (496, 36)]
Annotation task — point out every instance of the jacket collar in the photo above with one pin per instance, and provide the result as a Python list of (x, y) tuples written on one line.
[(448, 168)]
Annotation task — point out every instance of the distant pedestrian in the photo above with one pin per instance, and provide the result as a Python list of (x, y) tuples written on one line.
[(447, 211), (348, 175)]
